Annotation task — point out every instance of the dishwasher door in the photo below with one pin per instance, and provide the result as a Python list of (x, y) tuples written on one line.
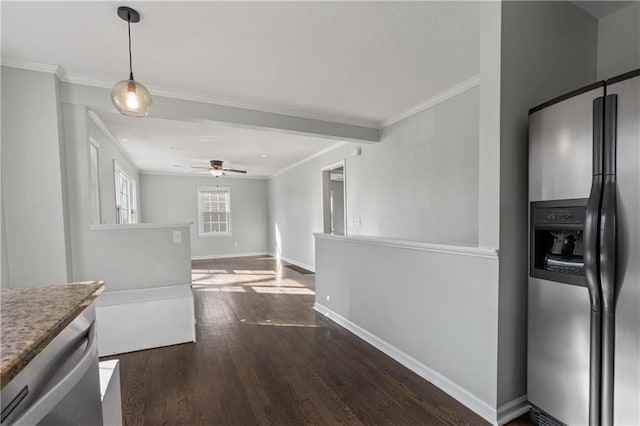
[(61, 385)]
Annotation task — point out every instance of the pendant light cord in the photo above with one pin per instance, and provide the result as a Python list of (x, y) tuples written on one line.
[(130, 60)]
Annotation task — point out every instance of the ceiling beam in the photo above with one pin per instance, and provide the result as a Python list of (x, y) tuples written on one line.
[(98, 98)]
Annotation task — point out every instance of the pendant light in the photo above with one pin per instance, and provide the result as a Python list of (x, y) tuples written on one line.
[(130, 97)]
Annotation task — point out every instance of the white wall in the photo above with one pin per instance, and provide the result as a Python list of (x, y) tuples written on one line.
[(548, 49), (619, 42), (420, 182), (174, 199), (33, 193), (108, 152)]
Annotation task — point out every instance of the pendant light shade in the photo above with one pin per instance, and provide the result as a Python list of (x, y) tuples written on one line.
[(130, 97)]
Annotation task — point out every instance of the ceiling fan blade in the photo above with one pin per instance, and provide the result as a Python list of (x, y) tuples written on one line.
[(203, 168), (235, 171)]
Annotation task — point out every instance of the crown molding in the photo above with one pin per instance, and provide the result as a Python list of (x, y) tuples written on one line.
[(86, 80), (193, 175), (33, 66), (429, 103), (104, 129), (234, 103), (311, 157)]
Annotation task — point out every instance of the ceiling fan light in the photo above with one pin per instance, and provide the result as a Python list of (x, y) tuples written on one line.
[(216, 172), (131, 98)]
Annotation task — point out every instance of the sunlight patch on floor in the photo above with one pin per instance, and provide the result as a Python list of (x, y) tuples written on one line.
[(281, 324), (253, 272), (284, 290), (230, 289), (276, 324)]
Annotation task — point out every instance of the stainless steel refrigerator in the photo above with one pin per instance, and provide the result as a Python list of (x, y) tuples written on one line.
[(584, 274)]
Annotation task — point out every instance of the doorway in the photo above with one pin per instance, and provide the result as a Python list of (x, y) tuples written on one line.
[(334, 199)]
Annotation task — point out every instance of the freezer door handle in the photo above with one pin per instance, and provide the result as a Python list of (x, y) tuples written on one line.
[(608, 211), (591, 262), (592, 213), (40, 408), (608, 257), (608, 245)]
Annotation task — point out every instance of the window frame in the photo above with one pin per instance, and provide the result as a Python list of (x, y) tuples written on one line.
[(201, 233), (95, 205), (132, 195)]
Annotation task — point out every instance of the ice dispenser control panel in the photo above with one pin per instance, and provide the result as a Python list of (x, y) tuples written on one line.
[(557, 240)]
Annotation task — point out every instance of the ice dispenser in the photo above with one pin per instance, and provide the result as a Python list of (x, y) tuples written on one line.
[(557, 230)]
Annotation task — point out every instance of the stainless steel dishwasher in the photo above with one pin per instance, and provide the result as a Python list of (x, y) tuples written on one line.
[(61, 385)]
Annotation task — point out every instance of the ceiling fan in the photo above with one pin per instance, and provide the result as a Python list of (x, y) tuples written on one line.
[(217, 170)]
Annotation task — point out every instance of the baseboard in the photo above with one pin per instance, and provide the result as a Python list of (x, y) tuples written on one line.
[(225, 256), (512, 410), (293, 262), (454, 390)]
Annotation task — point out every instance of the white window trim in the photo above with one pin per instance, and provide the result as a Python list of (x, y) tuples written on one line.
[(201, 233), (133, 196), (97, 196)]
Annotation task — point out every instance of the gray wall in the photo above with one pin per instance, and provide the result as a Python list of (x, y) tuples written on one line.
[(109, 152), (4, 273), (337, 194), (404, 296), (295, 207), (619, 42), (420, 182), (167, 199), (127, 257), (34, 195), (548, 49)]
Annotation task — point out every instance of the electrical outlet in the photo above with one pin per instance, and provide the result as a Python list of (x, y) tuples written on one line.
[(350, 221), (177, 237), (357, 221)]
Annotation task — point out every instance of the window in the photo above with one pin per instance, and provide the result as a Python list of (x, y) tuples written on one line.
[(214, 211), (125, 197)]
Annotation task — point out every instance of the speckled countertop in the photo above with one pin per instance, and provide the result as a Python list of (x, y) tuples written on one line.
[(32, 317)]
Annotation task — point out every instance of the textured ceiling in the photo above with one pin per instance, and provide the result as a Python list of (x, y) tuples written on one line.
[(169, 146), (363, 61)]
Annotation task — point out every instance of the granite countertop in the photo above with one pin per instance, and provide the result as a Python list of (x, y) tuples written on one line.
[(32, 317)]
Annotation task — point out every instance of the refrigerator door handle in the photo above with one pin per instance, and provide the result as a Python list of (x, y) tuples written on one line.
[(592, 213), (40, 408), (608, 248), (591, 262)]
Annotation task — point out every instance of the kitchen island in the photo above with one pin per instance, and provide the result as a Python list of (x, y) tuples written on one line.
[(33, 317)]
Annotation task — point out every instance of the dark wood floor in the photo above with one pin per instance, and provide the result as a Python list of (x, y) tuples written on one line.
[(263, 356)]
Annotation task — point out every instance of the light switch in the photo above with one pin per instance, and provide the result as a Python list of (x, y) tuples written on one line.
[(177, 237)]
